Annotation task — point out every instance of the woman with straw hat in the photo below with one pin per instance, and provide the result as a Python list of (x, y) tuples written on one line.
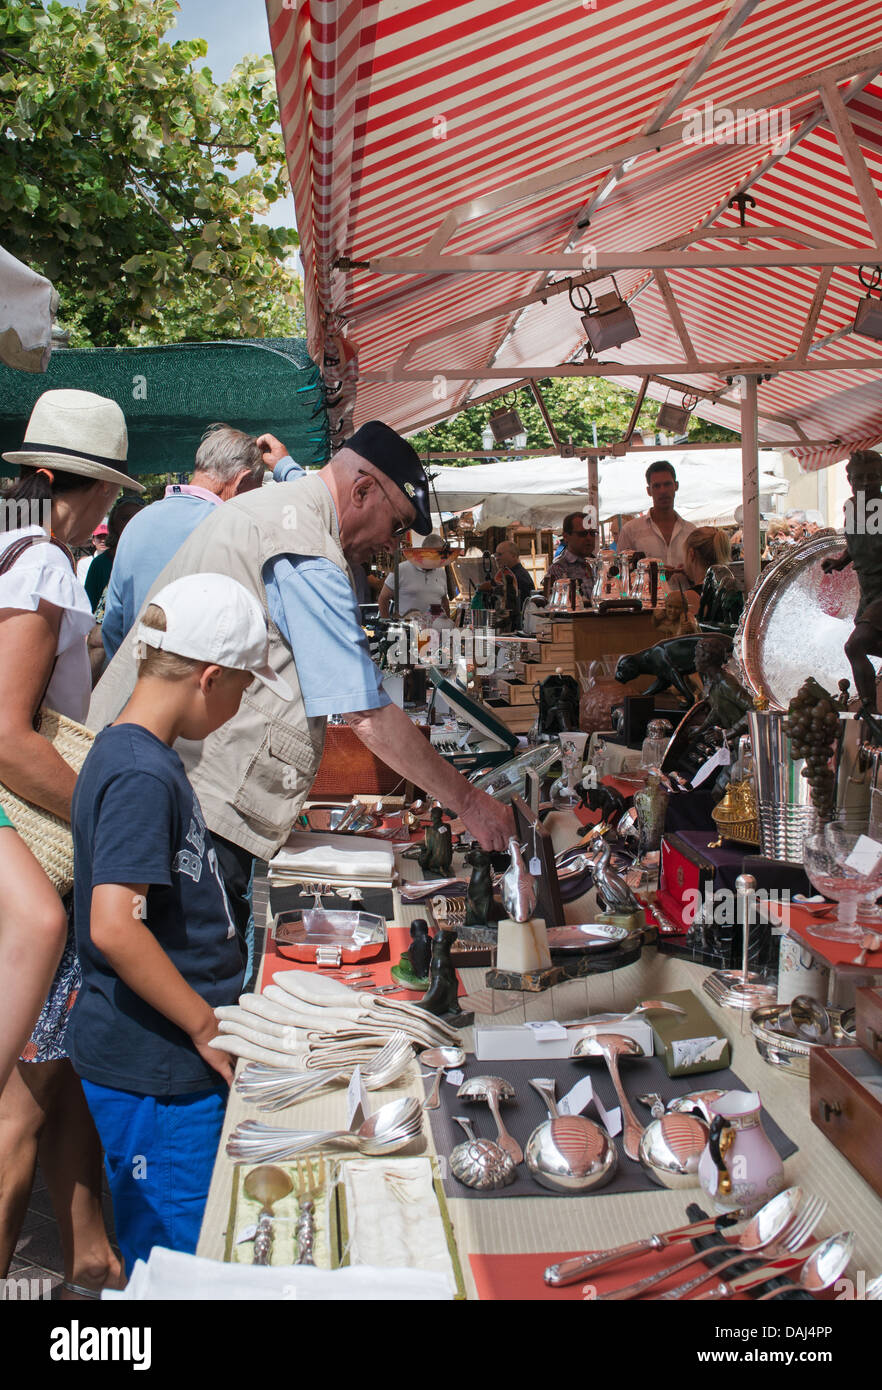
[(72, 464)]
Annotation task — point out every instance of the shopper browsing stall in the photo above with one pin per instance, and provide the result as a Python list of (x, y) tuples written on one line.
[(155, 932), (579, 541), (419, 590), (291, 546)]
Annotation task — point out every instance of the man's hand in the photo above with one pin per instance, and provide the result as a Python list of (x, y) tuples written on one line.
[(201, 1036), (491, 824), (273, 450)]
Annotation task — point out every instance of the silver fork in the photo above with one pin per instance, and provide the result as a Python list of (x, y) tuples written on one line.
[(798, 1233)]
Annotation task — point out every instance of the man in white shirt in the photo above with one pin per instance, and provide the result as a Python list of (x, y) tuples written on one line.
[(661, 533), (418, 590)]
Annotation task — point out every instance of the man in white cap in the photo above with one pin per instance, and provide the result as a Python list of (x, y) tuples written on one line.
[(291, 546), (155, 933)]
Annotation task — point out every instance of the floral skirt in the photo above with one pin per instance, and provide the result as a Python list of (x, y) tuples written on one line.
[(47, 1042)]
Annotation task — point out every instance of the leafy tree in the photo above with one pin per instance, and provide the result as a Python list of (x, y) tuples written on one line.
[(121, 176), (574, 404)]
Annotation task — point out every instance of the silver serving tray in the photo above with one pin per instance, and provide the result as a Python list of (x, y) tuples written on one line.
[(795, 623), (510, 779), (786, 1050), (300, 932), (588, 936)]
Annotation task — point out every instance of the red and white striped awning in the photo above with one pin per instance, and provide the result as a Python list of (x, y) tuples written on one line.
[(431, 131)]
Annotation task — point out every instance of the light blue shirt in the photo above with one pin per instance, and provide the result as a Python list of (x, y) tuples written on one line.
[(151, 539), (313, 605)]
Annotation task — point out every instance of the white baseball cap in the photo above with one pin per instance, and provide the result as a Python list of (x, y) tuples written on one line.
[(211, 617)]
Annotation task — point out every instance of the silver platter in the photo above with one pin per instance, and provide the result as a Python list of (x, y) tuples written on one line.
[(356, 935), (786, 1051), (796, 621), (590, 936)]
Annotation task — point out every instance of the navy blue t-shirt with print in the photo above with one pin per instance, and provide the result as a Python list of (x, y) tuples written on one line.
[(136, 819)]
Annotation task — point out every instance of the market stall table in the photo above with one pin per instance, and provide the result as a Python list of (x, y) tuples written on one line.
[(539, 1225)]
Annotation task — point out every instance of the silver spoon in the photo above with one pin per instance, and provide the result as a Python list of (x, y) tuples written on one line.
[(822, 1268), (612, 1046), (442, 1059), (493, 1089)]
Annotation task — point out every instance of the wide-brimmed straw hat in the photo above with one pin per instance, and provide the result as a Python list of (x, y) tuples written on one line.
[(77, 432)]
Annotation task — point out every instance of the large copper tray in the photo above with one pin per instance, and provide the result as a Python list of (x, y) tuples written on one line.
[(796, 621)]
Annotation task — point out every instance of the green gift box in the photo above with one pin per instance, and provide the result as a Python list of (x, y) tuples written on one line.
[(689, 1042)]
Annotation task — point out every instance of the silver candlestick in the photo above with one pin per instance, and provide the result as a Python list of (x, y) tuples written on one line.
[(744, 988)]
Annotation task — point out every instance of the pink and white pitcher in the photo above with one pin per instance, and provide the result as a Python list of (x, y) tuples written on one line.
[(740, 1168)]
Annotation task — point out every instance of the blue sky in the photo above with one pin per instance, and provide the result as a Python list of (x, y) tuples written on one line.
[(231, 28)]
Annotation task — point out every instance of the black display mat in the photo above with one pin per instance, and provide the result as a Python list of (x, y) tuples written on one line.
[(522, 1115)]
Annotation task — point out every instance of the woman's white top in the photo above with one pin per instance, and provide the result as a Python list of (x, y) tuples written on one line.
[(44, 572)]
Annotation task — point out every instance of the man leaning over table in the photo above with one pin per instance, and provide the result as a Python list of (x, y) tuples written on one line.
[(291, 546), (660, 533)]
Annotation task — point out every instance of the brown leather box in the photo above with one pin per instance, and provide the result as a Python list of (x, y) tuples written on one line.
[(347, 767), (846, 1105), (868, 1021)]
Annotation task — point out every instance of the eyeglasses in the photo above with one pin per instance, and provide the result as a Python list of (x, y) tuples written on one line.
[(403, 526)]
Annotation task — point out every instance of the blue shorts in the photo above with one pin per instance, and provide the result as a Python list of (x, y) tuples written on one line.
[(159, 1153)]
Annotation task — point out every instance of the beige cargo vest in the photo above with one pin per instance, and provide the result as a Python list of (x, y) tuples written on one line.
[(253, 774)]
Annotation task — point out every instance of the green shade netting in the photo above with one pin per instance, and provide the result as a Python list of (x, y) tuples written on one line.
[(170, 393)]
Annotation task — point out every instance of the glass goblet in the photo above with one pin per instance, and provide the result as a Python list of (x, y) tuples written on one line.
[(833, 869)]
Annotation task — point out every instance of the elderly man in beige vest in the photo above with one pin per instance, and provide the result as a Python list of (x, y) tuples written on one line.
[(291, 545)]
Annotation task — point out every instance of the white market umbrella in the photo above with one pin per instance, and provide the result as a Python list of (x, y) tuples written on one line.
[(27, 307), (540, 492)]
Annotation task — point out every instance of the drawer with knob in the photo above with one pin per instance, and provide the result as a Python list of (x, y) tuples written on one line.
[(846, 1105)]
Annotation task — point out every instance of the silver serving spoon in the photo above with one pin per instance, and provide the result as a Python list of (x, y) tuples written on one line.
[(493, 1089), (568, 1153), (442, 1059), (822, 1268), (612, 1046)]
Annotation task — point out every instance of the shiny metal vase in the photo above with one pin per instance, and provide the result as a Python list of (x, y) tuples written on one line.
[(786, 814)]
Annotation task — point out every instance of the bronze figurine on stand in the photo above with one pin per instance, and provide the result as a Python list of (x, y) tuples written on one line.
[(863, 549)]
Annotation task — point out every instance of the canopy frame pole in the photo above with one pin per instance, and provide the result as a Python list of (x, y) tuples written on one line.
[(750, 522)]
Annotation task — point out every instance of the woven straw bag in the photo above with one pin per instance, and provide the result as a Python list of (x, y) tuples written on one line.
[(47, 836)]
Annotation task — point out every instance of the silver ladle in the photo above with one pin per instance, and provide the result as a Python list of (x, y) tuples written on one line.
[(568, 1153), (611, 1047), (480, 1163), (493, 1089)]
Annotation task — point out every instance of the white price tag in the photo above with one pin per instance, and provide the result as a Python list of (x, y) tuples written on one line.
[(722, 758), (865, 855), (576, 1099), (246, 1233), (548, 1030), (535, 866), (356, 1098), (610, 1119), (454, 1078)]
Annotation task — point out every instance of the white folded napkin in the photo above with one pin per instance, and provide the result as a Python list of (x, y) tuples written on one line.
[(333, 858), (170, 1275)]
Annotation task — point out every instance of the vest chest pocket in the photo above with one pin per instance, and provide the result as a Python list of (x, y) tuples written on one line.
[(281, 772)]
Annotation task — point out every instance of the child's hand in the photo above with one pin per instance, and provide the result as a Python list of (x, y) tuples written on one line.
[(218, 1061)]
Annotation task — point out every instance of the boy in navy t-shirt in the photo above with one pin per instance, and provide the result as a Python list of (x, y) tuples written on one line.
[(154, 930)]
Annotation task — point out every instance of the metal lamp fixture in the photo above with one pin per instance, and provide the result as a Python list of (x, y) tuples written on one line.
[(506, 423), (609, 323), (674, 419), (868, 319)]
